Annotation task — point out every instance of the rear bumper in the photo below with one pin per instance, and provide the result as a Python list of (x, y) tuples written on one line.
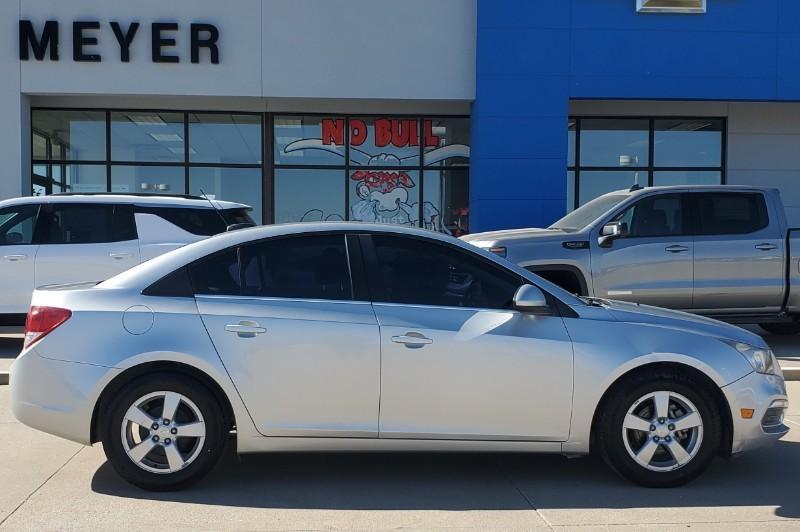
[(763, 394), (56, 397)]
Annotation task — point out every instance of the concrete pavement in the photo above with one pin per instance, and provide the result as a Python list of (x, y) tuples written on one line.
[(51, 484)]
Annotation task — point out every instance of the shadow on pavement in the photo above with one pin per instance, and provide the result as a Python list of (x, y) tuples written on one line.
[(460, 482)]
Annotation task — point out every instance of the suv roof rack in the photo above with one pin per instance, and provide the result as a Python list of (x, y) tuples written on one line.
[(136, 194)]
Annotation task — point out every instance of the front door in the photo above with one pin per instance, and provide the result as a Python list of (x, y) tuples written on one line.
[(302, 352), (83, 242), (17, 254), (653, 264), (457, 361)]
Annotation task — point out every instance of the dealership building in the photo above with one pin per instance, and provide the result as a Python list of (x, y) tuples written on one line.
[(456, 115)]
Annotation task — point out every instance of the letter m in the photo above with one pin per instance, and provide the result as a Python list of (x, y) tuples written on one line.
[(28, 40)]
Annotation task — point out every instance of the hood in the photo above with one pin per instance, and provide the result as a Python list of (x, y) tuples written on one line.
[(517, 234), (636, 313)]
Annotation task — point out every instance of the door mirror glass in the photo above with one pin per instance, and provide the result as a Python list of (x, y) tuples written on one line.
[(530, 298)]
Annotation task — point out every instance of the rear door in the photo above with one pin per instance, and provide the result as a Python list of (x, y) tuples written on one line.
[(738, 261), (81, 242), (300, 344), (17, 254), (653, 264)]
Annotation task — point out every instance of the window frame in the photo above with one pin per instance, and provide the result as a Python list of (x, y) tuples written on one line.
[(650, 169), (378, 294)]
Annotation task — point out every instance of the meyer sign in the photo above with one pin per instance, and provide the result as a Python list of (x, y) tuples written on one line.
[(163, 40)]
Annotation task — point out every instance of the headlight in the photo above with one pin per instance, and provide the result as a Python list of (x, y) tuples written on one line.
[(761, 359)]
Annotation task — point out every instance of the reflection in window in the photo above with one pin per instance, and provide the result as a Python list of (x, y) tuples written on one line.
[(241, 185), (147, 137), (688, 142), (303, 195), (69, 135), (225, 138), (300, 140), (446, 207), (70, 177), (598, 182), (607, 142), (663, 179), (148, 179), (385, 196)]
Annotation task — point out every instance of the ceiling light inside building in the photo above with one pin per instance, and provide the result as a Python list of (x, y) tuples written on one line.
[(671, 6)]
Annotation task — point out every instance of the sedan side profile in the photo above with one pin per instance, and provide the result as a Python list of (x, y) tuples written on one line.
[(363, 337)]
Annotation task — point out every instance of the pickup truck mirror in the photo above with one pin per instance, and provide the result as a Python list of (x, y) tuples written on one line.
[(612, 231), (530, 298)]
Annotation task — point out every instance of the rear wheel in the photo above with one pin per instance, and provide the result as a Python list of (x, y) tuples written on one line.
[(660, 433), (785, 328), (163, 432)]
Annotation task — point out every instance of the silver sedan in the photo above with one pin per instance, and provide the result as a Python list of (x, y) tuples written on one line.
[(362, 337)]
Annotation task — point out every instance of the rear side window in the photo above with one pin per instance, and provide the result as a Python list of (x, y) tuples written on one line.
[(16, 225), (76, 223), (237, 216), (302, 267), (730, 213), (198, 221)]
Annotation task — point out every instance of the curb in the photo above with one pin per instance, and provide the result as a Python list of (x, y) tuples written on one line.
[(3, 377)]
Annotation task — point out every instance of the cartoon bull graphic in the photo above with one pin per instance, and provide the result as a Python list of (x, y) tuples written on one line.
[(383, 194)]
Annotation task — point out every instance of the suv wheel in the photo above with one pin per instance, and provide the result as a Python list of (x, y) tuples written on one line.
[(163, 432), (660, 433)]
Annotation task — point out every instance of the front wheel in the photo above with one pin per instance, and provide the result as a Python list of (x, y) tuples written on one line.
[(662, 432), (163, 432), (781, 328)]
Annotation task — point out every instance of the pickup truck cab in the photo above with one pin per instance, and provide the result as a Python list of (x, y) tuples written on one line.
[(721, 251)]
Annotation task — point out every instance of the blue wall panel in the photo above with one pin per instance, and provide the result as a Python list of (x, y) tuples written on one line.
[(534, 55)]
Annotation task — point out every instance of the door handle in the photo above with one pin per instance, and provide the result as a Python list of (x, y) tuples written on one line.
[(119, 256), (676, 249), (765, 247), (15, 258), (412, 340), (245, 329)]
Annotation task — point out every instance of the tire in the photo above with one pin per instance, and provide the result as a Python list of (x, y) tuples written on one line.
[(668, 466), (782, 329), (165, 460)]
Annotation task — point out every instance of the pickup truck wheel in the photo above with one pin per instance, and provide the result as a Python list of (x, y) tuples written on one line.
[(782, 329), (660, 432)]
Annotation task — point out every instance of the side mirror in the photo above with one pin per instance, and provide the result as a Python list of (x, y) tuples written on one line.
[(530, 298), (612, 231)]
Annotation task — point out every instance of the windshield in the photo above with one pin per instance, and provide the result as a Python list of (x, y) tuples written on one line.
[(583, 216)]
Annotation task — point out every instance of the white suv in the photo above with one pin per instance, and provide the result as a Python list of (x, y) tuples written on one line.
[(72, 238)]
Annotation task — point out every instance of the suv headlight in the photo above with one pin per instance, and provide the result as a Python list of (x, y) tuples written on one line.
[(761, 359)]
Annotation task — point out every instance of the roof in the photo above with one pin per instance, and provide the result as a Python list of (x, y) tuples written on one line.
[(165, 200)]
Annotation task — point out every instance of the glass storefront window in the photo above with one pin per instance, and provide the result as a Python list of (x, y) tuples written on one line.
[(303, 195), (148, 179), (684, 143), (385, 196), (67, 135), (242, 185), (595, 183), (446, 141), (302, 140), (612, 142), (71, 177), (225, 138), (606, 154), (138, 136), (446, 206), (383, 141)]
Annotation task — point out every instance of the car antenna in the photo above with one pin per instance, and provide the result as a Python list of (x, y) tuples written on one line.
[(216, 210)]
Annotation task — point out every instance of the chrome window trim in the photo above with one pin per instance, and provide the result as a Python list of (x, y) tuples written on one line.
[(658, 6)]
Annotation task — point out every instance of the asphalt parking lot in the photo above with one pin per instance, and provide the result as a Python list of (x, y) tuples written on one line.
[(48, 484)]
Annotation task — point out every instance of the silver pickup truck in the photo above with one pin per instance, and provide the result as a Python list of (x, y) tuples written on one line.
[(720, 251)]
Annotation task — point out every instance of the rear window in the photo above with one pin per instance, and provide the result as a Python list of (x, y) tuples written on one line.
[(198, 221), (730, 213)]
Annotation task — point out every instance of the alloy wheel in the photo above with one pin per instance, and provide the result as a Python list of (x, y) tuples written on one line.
[(163, 432), (662, 431)]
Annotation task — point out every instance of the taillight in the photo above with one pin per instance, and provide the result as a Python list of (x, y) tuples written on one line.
[(41, 321)]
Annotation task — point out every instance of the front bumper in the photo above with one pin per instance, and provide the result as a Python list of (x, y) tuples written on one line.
[(57, 397), (763, 394)]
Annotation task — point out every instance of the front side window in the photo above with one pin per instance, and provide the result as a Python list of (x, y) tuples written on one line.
[(420, 272), (730, 213), (16, 225), (655, 216), (85, 224)]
